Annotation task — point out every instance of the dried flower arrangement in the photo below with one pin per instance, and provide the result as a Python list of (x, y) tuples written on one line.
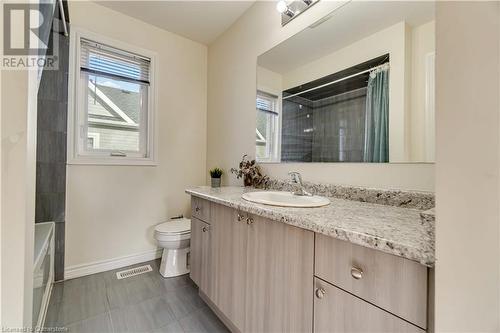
[(251, 173)]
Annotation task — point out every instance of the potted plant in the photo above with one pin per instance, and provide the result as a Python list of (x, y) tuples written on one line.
[(250, 172), (216, 173)]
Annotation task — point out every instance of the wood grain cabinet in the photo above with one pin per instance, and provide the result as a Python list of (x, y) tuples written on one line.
[(336, 311), (229, 253), (261, 275), (200, 256), (393, 283), (279, 277)]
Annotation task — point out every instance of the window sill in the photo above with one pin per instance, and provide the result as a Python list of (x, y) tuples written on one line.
[(119, 161)]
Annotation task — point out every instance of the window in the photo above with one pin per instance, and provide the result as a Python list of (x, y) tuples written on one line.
[(113, 114), (267, 127)]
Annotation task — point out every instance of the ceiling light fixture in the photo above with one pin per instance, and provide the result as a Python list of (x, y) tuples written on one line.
[(283, 8), (290, 9)]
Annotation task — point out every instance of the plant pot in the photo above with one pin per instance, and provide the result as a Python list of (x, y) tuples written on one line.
[(247, 180), (215, 182)]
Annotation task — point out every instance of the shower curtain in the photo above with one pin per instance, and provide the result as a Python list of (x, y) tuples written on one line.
[(376, 147)]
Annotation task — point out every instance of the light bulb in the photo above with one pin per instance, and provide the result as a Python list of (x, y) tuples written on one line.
[(281, 6)]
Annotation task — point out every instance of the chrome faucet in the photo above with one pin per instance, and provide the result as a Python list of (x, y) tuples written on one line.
[(297, 179)]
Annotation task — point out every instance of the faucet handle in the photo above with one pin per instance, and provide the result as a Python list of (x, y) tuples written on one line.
[(296, 177)]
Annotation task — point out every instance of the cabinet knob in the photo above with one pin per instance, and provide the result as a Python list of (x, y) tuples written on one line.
[(197, 209), (320, 293), (356, 273), (204, 229), (249, 220), (239, 217)]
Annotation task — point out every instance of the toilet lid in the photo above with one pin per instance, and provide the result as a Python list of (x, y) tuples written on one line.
[(179, 226)]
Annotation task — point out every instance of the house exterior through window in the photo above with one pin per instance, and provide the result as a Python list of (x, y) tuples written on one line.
[(267, 129), (113, 118)]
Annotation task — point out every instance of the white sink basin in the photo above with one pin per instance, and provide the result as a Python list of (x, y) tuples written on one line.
[(285, 199)]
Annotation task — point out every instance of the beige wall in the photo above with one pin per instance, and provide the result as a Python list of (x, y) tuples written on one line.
[(231, 105), (467, 167), (18, 170), (269, 81), (111, 210)]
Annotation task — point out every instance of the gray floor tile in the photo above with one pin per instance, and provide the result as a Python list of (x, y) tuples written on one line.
[(136, 291), (76, 308), (143, 317), (173, 283), (143, 303), (183, 302), (70, 289), (175, 327), (202, 321), (98, 324)]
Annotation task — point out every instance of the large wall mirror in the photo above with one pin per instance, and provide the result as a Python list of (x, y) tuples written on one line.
[(356, 86)]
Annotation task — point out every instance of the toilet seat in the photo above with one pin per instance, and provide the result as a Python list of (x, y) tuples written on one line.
[(174, 227)]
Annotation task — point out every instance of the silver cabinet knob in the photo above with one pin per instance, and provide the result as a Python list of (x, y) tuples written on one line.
[(197, 209), (204, 229), (249, 220), (240, 217), (320, 293), (356, 273)]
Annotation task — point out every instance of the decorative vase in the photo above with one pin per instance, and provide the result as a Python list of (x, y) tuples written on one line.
[(247, 180), (215, 182)]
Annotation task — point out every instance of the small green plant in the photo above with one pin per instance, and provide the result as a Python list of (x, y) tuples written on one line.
[(216, 173)]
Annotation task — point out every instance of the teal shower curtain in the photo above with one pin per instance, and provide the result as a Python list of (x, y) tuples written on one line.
[(376, 147)]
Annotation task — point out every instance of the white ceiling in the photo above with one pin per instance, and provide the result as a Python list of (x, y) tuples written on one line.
[(201, 21), (345, 25)]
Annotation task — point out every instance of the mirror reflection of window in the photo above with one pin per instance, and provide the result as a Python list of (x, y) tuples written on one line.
[(267, 127)]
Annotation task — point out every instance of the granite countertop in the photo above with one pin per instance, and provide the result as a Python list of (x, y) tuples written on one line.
[(404, 232)]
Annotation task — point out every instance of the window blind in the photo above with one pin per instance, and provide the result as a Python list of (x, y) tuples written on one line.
[(101, 59), (266, 102)]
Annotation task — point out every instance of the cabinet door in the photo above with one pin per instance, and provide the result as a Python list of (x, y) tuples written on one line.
[(279, 277), (338, 311), (195, 252), (229, 246), (207, 273)]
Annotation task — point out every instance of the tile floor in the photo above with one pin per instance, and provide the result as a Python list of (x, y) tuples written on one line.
[(143, 303)]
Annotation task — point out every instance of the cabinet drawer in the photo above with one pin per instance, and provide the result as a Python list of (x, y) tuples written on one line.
[(200, 208), (393, 283), (338, 311)]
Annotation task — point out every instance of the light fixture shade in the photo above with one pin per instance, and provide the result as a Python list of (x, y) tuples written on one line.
[(281, 6)]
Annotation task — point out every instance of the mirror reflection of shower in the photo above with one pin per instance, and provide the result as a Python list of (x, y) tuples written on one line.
[(342, 117)]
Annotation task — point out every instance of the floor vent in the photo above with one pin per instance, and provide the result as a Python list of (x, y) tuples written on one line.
[(133, 272)]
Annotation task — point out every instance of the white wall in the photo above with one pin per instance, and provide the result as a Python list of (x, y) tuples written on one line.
[(422, 43), (467, 167), (111, 210), (231, 105)]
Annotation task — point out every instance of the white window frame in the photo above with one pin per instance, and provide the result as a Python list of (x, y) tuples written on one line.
[(74, 140), (274, 155)]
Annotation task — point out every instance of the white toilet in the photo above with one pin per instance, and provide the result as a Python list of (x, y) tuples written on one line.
[(174, 237)]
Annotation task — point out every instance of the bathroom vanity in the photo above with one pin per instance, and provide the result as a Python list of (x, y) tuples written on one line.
[(349, 266)]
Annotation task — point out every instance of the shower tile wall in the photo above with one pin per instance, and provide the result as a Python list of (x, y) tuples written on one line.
[(325, 130), (339, 127), (51, 145), (296, 130)]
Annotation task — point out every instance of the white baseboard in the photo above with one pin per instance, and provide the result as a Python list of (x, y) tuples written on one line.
[(75, 271)]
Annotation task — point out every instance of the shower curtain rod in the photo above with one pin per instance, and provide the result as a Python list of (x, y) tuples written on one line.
[(339, 80)]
